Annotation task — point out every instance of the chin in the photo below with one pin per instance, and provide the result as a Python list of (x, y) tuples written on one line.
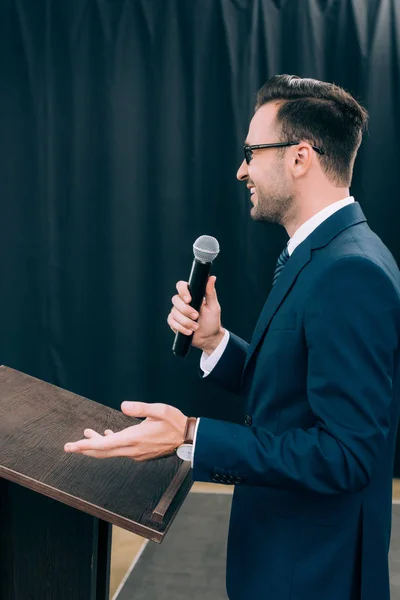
[(260, 217), (255, 215)]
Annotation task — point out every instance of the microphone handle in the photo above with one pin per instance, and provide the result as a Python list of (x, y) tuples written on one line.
[(197, 286)]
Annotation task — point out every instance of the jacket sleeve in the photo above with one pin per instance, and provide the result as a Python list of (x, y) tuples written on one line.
[(227, 373), (351, 326)]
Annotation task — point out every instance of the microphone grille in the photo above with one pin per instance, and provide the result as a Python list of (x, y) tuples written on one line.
[(206, 248)]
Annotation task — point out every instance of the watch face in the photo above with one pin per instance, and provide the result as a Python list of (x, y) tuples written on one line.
[(185, 451)]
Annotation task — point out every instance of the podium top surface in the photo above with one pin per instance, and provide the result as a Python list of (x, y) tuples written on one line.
[(37, 419)]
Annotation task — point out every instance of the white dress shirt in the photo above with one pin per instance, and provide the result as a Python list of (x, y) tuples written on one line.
[(208, 362)]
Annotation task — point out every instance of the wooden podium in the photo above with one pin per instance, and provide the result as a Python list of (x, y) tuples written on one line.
[(56, 509)]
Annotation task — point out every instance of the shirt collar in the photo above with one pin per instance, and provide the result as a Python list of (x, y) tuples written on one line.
[(308, 227)]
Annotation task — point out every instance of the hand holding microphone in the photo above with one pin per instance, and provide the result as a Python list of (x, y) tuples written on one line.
[(164, 426), (196, 314)]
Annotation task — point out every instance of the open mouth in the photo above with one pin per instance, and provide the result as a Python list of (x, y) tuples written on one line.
[(252, 191)]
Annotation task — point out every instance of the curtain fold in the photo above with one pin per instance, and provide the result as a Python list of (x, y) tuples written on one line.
[(121, 130)]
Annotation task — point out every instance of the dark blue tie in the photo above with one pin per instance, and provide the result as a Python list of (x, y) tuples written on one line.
[(282, 260)]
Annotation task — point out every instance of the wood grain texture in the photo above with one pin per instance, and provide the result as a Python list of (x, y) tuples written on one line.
[(37, 419), (163, 506)]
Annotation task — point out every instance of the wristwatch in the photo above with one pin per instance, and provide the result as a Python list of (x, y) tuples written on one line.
[(185, 450)]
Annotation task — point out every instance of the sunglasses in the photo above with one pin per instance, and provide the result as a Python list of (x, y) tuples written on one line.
[(248, 150)]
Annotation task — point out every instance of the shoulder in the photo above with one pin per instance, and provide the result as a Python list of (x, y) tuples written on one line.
[(354, 280), (353, 299), (357, 265)]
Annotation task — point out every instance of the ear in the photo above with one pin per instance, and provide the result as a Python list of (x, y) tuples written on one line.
[(301, 159)]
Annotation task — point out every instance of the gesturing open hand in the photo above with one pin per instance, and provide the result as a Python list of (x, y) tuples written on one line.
[(158, 435)]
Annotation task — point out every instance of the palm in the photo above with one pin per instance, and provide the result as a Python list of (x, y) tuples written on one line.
[(158, 435)]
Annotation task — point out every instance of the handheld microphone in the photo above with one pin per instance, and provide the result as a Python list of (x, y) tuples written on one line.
[(205, 250)]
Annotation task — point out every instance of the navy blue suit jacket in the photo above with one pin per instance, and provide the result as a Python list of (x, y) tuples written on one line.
[(312, 464)]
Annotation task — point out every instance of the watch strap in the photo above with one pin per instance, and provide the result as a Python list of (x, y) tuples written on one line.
[(190, 429)]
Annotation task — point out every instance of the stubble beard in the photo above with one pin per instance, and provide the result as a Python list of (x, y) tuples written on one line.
[(272, 208), (275, 203)]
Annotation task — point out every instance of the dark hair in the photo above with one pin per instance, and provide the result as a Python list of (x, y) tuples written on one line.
[(322, 114)]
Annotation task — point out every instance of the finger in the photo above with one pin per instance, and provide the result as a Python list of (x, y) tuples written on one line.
[(183, 291), (116, 440), (175, 326), (169, 321), (90, 433), (211, 293), (183, 308), (185, 321)]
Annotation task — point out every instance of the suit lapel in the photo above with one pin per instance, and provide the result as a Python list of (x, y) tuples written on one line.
[(343, 219), (286, 279)]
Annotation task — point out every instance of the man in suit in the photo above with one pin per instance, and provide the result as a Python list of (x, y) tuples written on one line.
[(312, 462)]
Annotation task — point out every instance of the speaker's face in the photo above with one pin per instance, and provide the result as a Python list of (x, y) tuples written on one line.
[(265, 170)]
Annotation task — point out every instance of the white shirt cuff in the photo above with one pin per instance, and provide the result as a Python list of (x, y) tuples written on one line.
[(209, 361), (194, 439)]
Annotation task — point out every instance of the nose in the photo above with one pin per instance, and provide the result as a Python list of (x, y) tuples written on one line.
[(242, 173)]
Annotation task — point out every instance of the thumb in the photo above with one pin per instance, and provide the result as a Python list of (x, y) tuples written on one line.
[(211, 292), (141, 409)]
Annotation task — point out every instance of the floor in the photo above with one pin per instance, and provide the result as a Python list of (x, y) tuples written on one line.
[(126, 546)]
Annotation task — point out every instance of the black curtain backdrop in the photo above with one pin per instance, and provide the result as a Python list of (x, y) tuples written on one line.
[(121, 130)]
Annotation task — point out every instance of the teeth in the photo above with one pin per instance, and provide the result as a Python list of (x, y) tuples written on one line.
[(252, 190)]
